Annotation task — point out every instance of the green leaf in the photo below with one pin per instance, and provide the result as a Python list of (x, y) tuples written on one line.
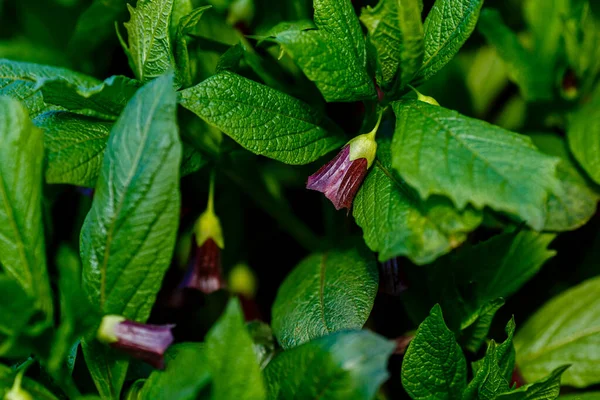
[(20, 80), (185, 375), (136, 205), (546, 21), (396, 31), (545, 389), (106, 99), (351, 366), (95, 26), (261, 119), (566, 330), (469, 282), (185, 26), (16, 311), (493, 373), (149, 46), (334, 56), (74, 147), (582, 43), (396, 222), (581, 396), (574, 202), (488, 382), (264, 341), (37, 391), (105, 367), (476, 333), (523, 66), (439, 151), (231, 359), (325, 293), (22, 246), (77, 316), (447, 27), (434, 366), (583, 134)]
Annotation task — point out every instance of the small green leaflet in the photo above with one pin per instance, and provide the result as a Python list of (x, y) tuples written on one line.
[(447, 27), (185, 374), (325, 293), (186, 25), (546, 389), (263, 120), (523, 66), (22, 246), (583, 134), (20, 80), (434, 366), (334, 56), (348, 365), (231, 359), (74, 147), (574, 202), (396, 222), (493, 373), (566, 330), (396, 31), (136, 204), (149, 48), (439, 151), (105, 100)]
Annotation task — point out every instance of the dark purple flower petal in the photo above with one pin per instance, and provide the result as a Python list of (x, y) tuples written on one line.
[(205, 273), (392, 279), (340, 178), (142, 341)]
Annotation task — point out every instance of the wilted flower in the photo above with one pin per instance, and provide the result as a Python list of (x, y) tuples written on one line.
[(341, 177), (142, 341)]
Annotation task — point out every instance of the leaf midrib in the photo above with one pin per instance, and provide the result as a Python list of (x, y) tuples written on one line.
[(561, 343)]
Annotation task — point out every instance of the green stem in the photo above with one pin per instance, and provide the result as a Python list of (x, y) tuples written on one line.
[(211, 193), (374, 131)]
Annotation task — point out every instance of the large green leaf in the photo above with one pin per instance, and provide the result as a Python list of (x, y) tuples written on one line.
[(566, 330), (22, 246), (325, 293), (396, 31), (149, 48), (20, 80), (74, 147), (574, 202), (434, 366), (468, 283), (547, 388), (186, 374), (186, 24), (341, 366), (439, 151), (334, 56), (396, 222), (136, 205), (106, 99), (261, 119), (584, 136), (523, 66), (231, 359), (106, 368), (581, 396), (447, 27)]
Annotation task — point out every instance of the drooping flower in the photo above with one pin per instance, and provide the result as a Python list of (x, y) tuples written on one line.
[(341, 177), (142, 341), (205, 272)]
